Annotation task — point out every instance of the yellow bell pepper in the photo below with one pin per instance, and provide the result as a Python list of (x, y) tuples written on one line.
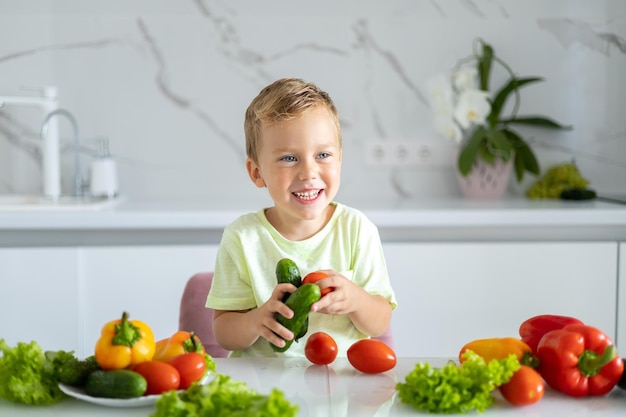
[(501, 348), (124, 343), (181, 342)]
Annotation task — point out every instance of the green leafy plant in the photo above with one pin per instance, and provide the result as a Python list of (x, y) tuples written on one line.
[(469, 114)]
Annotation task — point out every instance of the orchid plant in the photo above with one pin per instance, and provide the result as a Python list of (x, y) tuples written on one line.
[(466, 113)]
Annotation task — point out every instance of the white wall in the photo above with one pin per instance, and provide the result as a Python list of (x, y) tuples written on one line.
[(168, 82)]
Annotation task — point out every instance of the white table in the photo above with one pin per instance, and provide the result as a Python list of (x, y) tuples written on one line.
[(340, 391)]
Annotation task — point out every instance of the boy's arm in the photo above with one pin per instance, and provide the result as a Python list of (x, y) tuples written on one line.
[(237, 330), (373, 316)]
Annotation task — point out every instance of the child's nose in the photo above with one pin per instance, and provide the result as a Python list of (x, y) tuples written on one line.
[(308, 169)]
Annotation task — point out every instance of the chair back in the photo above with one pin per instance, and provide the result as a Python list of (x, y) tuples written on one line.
[(195, 316)]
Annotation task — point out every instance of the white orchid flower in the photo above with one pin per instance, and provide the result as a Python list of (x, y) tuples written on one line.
[(472, 108), (446, 126), (440, 93), (465, 78)]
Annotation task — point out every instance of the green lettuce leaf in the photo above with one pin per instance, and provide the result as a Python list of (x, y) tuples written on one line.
[(28, 375), (455, 389), (223, 397)]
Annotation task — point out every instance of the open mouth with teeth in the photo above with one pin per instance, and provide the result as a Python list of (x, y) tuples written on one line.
[(308, 195)]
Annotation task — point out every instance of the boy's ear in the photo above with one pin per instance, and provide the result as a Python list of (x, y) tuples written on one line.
[(255, 173)]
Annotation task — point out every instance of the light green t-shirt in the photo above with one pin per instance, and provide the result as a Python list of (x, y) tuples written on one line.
[(245, 270)]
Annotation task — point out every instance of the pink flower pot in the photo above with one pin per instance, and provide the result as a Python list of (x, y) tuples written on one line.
[(486, 181)]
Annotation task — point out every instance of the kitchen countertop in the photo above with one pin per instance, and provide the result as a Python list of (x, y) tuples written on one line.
[(129, 222), (340, 391)]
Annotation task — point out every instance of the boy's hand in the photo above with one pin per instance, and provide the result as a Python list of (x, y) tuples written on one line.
[(264, 317), (344, 297), (371, 314)]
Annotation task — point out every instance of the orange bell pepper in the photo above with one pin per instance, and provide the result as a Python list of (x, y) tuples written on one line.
[(501, 348), (181, 342), (124, 343)]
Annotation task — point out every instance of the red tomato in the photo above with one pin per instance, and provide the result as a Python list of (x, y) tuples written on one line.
[(321, 348), (161, 376), (313, 277), (190, 366), (525, 387), (371, 356)]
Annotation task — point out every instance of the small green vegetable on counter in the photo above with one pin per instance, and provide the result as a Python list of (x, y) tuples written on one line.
[(224, 397), (28, 375), (562, 181), (456, 388)]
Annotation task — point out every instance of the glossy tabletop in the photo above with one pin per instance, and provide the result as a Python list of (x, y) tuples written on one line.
[(339, 390)]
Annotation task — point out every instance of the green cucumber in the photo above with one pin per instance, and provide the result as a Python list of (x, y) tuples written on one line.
[(300, 302), (578, 194), (117, 383), (287, 272)]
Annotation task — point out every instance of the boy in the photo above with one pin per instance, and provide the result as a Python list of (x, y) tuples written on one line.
[(293, 146)]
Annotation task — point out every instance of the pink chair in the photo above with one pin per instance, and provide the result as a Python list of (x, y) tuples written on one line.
[(194, 316), (386, 337)]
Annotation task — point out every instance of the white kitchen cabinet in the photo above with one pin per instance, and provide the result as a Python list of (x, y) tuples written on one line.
[(39, 295), (451, 293), (621, 300), (448, 293), (147, 282), (62, 297)]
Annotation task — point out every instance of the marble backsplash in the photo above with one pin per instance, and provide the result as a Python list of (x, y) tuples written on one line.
[(168, 83)]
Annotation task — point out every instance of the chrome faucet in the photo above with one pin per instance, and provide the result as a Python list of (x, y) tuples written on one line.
[(51, 167), (78, 179)]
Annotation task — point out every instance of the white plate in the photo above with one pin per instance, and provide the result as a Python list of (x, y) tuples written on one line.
[(143, 401)]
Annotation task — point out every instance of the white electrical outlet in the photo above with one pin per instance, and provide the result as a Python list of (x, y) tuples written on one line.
[(378, 153), (418, 153)]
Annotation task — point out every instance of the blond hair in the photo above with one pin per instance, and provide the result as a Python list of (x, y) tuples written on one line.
[(284, 99)]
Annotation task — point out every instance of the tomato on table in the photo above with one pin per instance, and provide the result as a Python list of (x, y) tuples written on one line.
[(190, 366), (371, 356), (161, 376), (524, 388), (321, 348), (313, 277)]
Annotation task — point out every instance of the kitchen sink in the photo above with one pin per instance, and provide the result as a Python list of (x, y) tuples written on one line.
[(16, 202)]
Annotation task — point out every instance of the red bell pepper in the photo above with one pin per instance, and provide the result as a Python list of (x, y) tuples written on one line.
[(533, 329), (579, 360)]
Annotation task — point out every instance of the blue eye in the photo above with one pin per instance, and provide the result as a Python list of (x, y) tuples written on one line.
[(288, 158), (323, 155)]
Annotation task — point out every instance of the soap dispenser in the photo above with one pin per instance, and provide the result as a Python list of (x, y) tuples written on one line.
[(103, 172)]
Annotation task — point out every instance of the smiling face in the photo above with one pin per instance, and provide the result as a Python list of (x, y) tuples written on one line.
[(299, 161)]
